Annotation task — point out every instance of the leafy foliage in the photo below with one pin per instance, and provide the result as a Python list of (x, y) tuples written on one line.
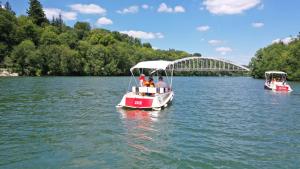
[(36, 13), (31, 45), (278, 56)]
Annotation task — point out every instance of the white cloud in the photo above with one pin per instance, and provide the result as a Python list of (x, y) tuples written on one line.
[(163, 7), (215, 42), (143, 35), (179, 9), (286, 40), (104, 21), (145, 6), (257, 24), (131, 9), (230, 7), (88, 8), (54, 12), (203, 28), (276, 40), (223, 50)]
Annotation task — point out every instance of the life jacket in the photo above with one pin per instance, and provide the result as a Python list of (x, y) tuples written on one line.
[(151, 84), (146, 83)]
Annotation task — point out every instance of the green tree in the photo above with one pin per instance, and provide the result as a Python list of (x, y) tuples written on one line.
[(58, 22), (8, 26), (277, 56), (197, 54), (49, 37), (68, 38), (95, 60), (147, 45), (36, 13), (82, 29), (8, 7), (33, 47), (21, 57), (27, 30), (70, 62), (51, 55)]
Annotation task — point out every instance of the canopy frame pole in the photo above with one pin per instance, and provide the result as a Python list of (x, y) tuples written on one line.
[(167, 76), (129, 84), (134, 78), (172, 76)]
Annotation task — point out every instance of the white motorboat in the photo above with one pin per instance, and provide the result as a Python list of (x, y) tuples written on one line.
[(149, 97), (276, 81)]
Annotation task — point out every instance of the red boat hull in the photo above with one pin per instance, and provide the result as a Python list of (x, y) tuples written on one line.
[(138, 102), (282, 88)]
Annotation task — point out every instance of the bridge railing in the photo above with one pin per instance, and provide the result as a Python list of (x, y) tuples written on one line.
[(207, 64)]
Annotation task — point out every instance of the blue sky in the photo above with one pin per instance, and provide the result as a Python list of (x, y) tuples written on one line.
[(229, 29)]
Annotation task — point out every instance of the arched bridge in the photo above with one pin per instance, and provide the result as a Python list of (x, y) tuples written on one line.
[(207, 64)]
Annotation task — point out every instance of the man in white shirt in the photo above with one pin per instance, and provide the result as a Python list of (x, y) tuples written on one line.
[(161, 83)]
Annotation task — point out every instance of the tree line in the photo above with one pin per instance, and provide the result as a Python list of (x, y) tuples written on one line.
[(32, 45), (278, 56)]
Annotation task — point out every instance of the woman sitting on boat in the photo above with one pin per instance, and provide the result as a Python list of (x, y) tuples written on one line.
[(149, 83)]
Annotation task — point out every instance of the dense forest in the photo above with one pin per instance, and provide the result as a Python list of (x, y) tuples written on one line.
[(32, 45), (278, 56)]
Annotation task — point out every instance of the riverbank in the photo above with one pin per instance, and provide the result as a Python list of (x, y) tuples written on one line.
[(7, 73)]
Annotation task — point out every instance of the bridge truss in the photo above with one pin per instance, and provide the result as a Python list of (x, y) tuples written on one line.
[(206, 64)]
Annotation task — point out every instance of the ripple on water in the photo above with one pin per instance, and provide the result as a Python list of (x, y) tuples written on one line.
[(213, 122)]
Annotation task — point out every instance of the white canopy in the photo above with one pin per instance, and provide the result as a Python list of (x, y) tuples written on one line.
[(157, 64), (275, 72)]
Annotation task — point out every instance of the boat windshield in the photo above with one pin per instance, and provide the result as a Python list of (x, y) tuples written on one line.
[(276, 77)]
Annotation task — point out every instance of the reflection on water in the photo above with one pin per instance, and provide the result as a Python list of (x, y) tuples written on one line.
[(140, 129), (276, 98), (135, 114)]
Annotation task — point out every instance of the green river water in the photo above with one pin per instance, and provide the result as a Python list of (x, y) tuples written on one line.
[(213, 122)]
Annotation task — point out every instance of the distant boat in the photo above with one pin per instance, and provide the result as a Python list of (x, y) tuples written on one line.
[(276, 81), (149, 97)]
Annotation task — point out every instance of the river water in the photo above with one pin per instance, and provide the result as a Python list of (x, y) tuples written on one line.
[(213, 122)]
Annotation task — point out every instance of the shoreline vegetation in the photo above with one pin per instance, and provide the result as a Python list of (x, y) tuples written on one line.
[(283, 56), (7, 73), (32, 45)]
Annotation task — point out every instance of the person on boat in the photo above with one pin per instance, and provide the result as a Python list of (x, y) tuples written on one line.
[(278, 80), (161, 83), (150, 81), (142, 79), (273, 80)]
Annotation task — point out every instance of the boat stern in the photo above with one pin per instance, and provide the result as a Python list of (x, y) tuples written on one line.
[(283, 88), (131, 100)]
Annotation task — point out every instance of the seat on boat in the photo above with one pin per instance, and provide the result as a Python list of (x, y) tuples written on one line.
[(135, 89), (151, 90), (143, 89)]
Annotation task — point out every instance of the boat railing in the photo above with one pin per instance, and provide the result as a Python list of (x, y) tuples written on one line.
[(151, 90)]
